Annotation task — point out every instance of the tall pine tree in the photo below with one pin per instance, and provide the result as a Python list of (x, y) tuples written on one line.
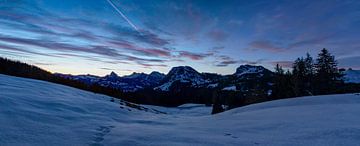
[(299, 75), (309, 74), (282, 87), (327, 73)]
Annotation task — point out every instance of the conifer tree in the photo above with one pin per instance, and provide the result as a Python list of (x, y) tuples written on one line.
[(279, 70), (327, 73), (278, 82), (309, 74), (299, 75), (282, 87), (309, 65)]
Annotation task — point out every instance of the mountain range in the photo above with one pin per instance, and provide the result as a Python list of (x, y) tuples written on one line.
[(129, 83), (245, 78), (184, 76)]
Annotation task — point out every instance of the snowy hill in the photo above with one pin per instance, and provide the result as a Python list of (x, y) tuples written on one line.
[(40, 113), (352, 76)]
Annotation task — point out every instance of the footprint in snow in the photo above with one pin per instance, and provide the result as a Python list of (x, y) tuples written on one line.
[(99, 135), (232, 136)]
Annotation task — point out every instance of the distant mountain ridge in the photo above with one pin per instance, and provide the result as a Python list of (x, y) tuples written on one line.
[(184, 76), (247, 85), (246, 78), (129, 83)]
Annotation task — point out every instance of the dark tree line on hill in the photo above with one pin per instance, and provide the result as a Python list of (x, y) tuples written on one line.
[(308, 77), (19, 69), (311, 77)]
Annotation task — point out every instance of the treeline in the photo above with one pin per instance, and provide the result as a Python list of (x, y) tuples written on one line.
[(311, 77), (308, 77), (20, 69)]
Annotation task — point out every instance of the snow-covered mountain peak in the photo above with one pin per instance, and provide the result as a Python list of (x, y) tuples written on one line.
[(183, 74), (135, 75), (113, 75), (182, 70), (249, 69), (156, 74)]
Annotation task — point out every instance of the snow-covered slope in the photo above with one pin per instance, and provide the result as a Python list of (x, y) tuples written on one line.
[(35, 112), (352, 76), (40, 113)]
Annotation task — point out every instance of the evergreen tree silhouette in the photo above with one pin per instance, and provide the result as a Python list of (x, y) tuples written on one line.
[(299, 75), (309, 74), (327, 73), (282, 87)]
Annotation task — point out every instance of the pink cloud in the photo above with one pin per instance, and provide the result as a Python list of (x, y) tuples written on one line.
[(265, 45), (193, 56), (141, 50)]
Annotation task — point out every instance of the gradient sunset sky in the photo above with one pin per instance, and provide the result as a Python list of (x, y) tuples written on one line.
[(92, 37)]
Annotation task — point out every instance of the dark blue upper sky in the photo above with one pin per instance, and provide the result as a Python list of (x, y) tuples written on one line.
[(78, 36)]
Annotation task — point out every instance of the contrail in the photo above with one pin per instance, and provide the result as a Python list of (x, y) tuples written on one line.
[(122, 15)]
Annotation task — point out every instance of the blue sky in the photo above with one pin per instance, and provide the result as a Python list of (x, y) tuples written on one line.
[(80, 37)]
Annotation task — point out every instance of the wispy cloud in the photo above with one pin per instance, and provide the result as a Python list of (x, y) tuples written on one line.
[(105, 68), (17, 49), (55, 46), (194, 56), (128, 46), (265, 45), (224, 61), (92, 31), (145, 36)]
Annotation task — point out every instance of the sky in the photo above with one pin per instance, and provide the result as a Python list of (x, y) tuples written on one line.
[(125, 36)]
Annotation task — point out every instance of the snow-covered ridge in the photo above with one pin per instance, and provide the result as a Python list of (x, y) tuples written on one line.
[(40, 113), (352, 76), (183, 74), (158, 81), (249, 69), (130, 83), (187, 75)]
